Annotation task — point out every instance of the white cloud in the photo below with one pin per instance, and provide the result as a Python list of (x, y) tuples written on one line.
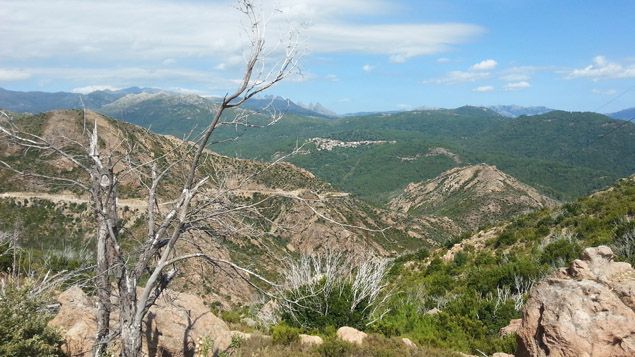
[(485, 65), (460, 77), (368, 68), (145, 30), (603, 69), (443, 60), (517, 86), (483, 89), (168, 61), (515, 77), (9, 75), (93, 88), (608, 92), (332, 78)]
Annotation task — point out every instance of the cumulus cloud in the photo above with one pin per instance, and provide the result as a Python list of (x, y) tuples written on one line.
[(601, 68), (514, 86), (483, 89), (368, 68), (9, 75), (485, 65)]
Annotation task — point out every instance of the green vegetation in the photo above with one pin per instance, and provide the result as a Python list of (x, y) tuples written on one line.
[(565, 155), (322, 310), (375, 345), (462, 301), (23, 325)]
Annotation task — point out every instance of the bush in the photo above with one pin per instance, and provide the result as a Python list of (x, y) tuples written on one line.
[(561, 251), (333, 291), (23, 327), (283, 334), (334, 347)]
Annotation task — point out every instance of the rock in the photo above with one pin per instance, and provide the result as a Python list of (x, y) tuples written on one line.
[(433, 311), (406, 341), (585, 310), (241, 335), (512, 328), (310, 340), (501, 354), (351, 335), (268, 314), (249, 321), (76, 317), (171, 328)]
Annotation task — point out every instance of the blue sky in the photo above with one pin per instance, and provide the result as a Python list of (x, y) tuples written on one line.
[(359, 55)]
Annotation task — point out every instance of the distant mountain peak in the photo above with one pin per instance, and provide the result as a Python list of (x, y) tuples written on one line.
[(481, 193), (513, 111), (626, 114)]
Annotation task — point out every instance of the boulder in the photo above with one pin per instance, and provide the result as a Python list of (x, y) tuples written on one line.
[(512, 328), (171, 328), (310, 340), (351, 335), (408, 342), (585, 310)]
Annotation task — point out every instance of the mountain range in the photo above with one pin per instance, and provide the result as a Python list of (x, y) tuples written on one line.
[(562, 154), (475, 206)]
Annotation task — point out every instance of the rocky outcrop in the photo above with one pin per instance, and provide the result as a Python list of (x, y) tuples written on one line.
[(511, 328), (584, 310), (172, 326), (351, 335), (472, 196)]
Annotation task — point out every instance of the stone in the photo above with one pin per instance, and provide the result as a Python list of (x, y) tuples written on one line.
[(172, 326), (511, 328), (406, 341), (249, 322), (310, 340), (351, 335), (584, 310)]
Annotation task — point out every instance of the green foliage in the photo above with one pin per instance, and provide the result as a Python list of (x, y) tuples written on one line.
[(23, 326), (334, 347), (560, 252), (284, 334), (318, 311), (477, 291)]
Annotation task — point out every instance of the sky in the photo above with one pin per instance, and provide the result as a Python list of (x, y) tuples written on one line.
[(354, 55)]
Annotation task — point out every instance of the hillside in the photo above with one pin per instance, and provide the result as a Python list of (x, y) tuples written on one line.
[(563, 155), (459, 297), (293, 211), (474, 196)]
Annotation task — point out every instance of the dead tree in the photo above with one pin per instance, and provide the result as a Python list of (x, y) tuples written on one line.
[(155, 259)]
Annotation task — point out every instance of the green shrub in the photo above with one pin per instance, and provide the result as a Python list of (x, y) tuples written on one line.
[(321, 310), (283, 334), (23, 326), (561, 251), (334, 347)]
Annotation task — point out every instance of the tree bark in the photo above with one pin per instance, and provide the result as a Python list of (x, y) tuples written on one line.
[(103, 291), (130, 327)]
